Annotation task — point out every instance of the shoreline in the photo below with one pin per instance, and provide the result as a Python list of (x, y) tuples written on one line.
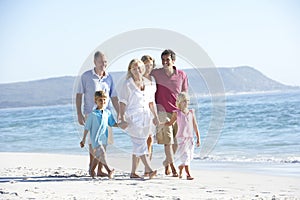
[(50, 176)]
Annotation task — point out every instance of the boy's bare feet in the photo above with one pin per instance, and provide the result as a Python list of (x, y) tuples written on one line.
[(189, 178), (111, 174)]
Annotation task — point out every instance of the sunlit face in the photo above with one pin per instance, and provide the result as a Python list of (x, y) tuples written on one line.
[(101, 62), (148, 67), (167, 61), (184, 104), (137, 70), (100, 102)]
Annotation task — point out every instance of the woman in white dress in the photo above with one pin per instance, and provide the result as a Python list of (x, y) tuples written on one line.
[(136, 105)]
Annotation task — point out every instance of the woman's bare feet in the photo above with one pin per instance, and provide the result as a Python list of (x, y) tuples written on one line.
[(134, 175)]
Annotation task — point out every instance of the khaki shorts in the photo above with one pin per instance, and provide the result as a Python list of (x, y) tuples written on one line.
[(166, 134)]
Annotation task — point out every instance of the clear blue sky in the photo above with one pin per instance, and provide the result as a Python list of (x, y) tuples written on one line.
[(50, 38)]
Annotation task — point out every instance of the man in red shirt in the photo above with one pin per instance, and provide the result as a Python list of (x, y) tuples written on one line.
[(170, 82)]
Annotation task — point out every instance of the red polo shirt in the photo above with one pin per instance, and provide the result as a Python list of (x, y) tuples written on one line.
[(168, 88)]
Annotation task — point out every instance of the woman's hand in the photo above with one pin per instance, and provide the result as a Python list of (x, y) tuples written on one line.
[(123, 124)]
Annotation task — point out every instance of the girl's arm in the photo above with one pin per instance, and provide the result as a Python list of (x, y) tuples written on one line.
[(154, 112), (172, 120), (195, 126), (83, 139)]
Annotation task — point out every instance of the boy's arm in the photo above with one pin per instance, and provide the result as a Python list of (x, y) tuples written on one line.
[(172, 120), (83, 139), (195, 126)]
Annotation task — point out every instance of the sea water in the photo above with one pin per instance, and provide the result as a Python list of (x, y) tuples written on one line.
[(260, 132)]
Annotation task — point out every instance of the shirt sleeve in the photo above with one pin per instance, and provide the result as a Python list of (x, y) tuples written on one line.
[(112, 91), (80, 86), (111, 120), (124, 93), (88, 123), (184, 83)]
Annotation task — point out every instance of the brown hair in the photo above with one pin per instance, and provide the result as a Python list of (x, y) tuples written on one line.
[(147, 58), (169, 52)]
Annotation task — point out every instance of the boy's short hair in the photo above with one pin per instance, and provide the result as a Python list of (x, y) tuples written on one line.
[(100, 94)]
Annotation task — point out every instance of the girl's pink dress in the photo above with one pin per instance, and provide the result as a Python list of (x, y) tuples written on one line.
[(184, 137)]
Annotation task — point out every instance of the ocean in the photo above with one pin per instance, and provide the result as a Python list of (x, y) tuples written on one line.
[(261, 132)]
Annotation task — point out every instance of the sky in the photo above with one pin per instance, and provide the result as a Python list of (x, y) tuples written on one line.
[(52, 38)]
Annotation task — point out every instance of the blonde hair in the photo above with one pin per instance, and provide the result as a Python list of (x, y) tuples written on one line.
[(133, 62), (100, 94), (181, 97)]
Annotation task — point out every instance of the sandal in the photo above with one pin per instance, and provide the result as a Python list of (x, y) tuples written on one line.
[(134, 175), (174, 173)]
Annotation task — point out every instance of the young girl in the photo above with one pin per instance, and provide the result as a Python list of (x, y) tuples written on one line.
[(187, 124), (97, 124)]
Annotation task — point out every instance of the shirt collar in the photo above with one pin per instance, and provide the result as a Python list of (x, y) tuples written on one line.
[(94, 73)]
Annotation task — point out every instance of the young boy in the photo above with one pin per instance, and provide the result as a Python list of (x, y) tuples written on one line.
[(97, 124)]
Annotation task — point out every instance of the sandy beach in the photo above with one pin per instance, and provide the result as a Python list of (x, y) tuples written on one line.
[(57, 176)]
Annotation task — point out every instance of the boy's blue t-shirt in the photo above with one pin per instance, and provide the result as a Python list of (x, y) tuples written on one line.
[(97, 124)]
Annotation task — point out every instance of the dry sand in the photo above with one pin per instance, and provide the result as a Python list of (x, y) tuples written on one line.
[(56, 176)]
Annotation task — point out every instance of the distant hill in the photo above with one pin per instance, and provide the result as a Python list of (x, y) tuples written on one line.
[(59, 91)]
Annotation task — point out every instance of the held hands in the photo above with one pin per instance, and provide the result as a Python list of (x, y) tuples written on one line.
[(156, 121), (123, 124), (82, 143)]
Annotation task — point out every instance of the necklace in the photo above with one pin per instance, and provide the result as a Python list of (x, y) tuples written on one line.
[(140, 84)]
